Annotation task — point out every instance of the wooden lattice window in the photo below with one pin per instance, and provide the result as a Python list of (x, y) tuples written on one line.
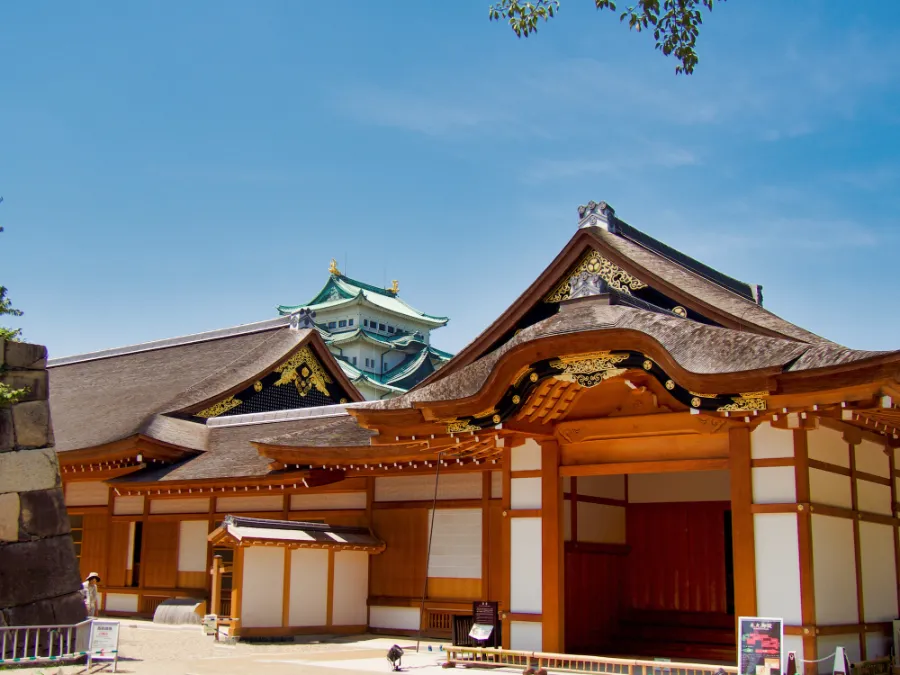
[(76, 524)]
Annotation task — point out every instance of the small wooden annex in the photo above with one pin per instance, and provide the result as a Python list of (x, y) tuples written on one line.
[(631, 456), (291, 577)]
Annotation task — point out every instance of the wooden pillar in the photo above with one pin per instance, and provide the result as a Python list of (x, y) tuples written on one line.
[(329, 611), (743, 544), (210, 526), (857, 551), (505, 547), (485, 535), (107, 535), (215, 594), (142, 572), (552, 601), (237, 583), (895, 530), (286, 592), (573, 507), (804, 534)]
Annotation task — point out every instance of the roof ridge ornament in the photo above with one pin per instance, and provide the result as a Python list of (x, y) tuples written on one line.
[(303, 319), (395, 287), (597, 214), (333, 268)]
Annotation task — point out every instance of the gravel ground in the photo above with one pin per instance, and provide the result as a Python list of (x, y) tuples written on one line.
[(146, 648)]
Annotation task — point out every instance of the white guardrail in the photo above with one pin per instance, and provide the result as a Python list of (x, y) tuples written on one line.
[(44, 644)]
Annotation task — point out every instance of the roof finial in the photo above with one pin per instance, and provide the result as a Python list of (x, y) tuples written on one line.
[(395, 287), (333, 268), (597, 214)]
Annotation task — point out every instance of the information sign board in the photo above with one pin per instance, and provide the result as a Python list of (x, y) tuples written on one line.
[(760, 645), (104, 644)]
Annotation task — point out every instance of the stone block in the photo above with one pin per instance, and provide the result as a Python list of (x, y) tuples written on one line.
[(42, 514), (37, 570), (33, 381), (9, 517), (7, 432), (28, 470), (24, 355), (65, 609), (32, 423)]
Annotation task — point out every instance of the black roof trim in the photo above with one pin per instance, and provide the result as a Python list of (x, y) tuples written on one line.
[(743, 289)]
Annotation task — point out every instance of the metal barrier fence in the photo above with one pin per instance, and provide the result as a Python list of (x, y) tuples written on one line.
[(539, 663), (40, 644)]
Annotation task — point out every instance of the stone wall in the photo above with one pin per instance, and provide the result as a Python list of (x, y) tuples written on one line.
[(39, 579)]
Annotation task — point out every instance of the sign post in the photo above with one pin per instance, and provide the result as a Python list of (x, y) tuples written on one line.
[(760, 645), (104, 643)]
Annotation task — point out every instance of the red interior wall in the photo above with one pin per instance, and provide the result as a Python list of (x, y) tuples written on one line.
[(676, 560), (593, 581)]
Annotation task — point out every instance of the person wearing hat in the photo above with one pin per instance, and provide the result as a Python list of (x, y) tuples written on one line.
[(89, 591)]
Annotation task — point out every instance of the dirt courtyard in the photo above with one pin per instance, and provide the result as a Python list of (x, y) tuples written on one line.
[(146, 648)]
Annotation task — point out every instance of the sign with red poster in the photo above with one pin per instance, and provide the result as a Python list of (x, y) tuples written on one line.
[(760, 645)]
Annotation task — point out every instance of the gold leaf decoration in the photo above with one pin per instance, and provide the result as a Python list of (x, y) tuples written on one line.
[(257, 386), (591, 369), (460, 426), (746, 402), (593, 263), (695, 402), (222, 406), (516, 399), (670, 385), (699, 395), (648, 364), (485, 413), (305, 371)]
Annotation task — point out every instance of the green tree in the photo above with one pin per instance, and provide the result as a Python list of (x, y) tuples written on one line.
[(675, 23), (8, 395)]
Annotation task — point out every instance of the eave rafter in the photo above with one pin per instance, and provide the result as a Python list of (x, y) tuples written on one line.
[(119, 458)]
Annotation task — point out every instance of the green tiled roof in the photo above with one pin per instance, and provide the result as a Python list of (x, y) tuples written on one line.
[(340, 290)]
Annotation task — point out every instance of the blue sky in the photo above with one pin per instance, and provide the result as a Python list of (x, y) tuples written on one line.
[(170, 168)]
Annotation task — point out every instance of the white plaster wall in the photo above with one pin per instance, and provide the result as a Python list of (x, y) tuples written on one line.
[(308, 594), (421, 488), (774, 485), (692, 486), (456, 547), (830, 488), (879, 574), (129, 506), (611, 487), (122, 602), (834, 570), (249, 503), (871, 458), (792, 643), (600, 523), (351, 588), (526, 635), (526, 457), (828, 643), (263, 587), (88, 493), (873, 498), (525, 493), (767, 441), (525, 578), (398, 618), (827, 445), (496, 484), (777, 566), (179, 505), (192, 545), (878, 646), (328, 500)]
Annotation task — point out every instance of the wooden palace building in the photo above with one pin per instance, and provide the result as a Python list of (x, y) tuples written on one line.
[(632, 455)]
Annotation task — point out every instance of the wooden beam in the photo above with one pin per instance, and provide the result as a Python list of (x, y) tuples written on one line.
[(552, 563), (743, 543), (632, 426), (646, 449), (671, 466)]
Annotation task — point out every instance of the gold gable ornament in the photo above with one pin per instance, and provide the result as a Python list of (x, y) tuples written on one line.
[(220, 408), (305, 371), (592, 264), (333, 268), (589, 370)]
